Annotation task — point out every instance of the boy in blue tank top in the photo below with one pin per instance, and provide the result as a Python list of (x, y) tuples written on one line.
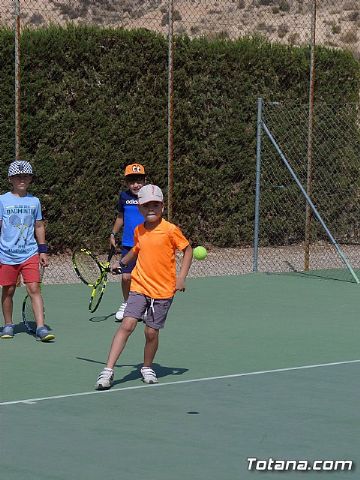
[(128, 217)]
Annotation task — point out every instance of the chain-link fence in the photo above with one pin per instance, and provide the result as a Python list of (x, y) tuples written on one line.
[(333, 23), (334, 187), (288, 21)]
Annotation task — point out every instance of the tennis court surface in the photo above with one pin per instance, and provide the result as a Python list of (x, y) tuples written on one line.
[(256, 366)]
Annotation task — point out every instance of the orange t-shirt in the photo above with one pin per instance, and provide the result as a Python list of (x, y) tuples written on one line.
[(154, 274)]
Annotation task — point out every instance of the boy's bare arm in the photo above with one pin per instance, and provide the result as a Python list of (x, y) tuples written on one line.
[(184, 270), (119, 222), (39, 232), (129, 257)]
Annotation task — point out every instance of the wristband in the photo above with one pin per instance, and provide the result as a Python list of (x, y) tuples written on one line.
[(112, 234), (42, 248)]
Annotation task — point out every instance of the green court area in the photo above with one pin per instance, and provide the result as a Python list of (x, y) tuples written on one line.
[(256, 366)]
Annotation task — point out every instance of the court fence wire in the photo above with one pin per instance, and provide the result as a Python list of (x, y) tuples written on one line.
[(282, 174)]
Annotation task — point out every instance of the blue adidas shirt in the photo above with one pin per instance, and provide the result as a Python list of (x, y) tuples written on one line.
[(128, 206), (18, 216)]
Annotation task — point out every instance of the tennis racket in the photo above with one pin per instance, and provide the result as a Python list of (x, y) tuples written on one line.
[(93, 273), (27, 310)]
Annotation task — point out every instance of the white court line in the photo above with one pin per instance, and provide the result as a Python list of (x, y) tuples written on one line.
[(31, 401)]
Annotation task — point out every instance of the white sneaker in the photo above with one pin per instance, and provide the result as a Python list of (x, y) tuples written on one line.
[(119, 315), (148, 375), (105, 379)]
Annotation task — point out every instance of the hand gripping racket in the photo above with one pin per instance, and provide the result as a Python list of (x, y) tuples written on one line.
[(93, 273)]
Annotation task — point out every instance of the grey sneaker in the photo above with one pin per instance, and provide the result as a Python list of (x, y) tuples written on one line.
[(7, 331), (105, 379), (148, 375), (43, 334)]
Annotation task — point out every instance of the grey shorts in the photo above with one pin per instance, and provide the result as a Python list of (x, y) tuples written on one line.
[(156, 309)]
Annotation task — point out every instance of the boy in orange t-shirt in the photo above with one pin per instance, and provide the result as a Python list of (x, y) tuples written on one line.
[(153, 282)]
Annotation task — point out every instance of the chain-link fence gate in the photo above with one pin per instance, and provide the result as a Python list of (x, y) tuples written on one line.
[(334, 236)]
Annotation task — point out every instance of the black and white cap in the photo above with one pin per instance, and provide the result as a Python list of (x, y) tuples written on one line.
[(20, 167)]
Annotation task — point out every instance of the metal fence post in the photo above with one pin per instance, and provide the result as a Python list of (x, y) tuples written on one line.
[(170, 125), (257, 186), (17, 79), (308, 212)]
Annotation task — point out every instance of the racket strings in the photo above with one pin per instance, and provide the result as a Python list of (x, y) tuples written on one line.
[(28, 311), (92, 272), (99, 287), (87, 267)]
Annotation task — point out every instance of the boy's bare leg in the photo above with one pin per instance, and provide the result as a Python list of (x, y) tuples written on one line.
[(121, 336), (37, 303), (125, 285), (7, 302), (151, 345)]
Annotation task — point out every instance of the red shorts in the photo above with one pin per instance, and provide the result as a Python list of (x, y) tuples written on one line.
[(29, 271)]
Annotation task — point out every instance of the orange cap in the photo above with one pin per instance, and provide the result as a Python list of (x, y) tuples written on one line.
[(134, 169)]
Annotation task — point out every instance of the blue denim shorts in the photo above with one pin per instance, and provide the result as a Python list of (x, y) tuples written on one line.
[(156, 309)]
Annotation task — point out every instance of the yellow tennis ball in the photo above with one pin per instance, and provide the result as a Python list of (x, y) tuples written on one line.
[(199, 253)]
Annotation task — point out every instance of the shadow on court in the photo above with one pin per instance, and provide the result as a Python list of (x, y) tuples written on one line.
[(161, 370), (339, 275), (101, 318)]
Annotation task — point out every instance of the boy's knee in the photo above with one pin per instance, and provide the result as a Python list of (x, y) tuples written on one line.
[(8, 291), (151, 333), (128, 325), (33, 288)]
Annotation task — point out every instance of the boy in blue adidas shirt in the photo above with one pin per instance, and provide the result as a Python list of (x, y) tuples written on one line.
[(128, 217), (22, 247)]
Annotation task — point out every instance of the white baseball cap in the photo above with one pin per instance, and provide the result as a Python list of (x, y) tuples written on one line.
[(150, 193)]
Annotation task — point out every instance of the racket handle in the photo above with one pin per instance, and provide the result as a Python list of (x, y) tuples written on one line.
[(111, 253), (117, 271)]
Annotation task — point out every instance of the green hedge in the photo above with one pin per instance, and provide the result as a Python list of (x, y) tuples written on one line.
[(94, 100)]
